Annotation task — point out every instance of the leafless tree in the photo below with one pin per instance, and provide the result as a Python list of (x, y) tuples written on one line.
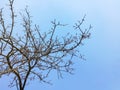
[(35, 54)]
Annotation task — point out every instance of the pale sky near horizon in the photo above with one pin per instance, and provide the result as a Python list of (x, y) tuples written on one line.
[(101, 70)]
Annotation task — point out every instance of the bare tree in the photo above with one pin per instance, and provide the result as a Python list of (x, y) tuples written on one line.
[(35, 54)]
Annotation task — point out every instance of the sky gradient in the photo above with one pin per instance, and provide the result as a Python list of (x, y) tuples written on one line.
[(101, 70)]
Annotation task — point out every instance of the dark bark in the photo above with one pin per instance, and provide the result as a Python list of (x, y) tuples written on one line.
[(34, 54)]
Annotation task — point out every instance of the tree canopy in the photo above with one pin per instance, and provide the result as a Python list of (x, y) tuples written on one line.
[(33, 55)]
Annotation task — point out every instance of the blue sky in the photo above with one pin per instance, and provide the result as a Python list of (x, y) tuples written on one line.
[(101, 70)]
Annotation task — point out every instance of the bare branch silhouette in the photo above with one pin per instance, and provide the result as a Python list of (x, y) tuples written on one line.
[(35, 54)]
